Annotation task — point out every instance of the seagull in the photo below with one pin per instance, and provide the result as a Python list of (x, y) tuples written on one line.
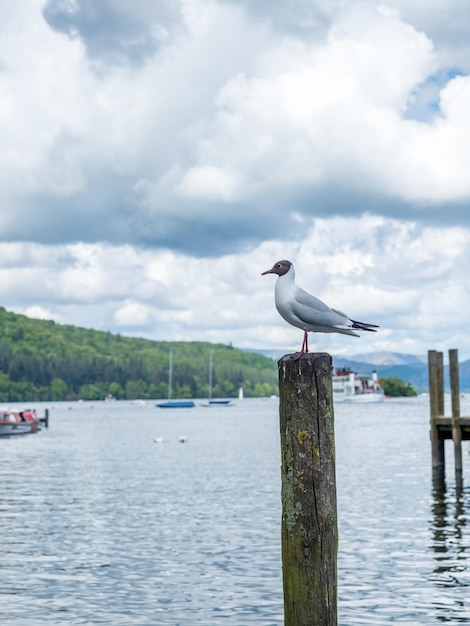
[(307, 312)]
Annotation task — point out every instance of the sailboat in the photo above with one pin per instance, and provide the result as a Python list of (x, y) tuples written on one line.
[(211, 401), (173, 404)]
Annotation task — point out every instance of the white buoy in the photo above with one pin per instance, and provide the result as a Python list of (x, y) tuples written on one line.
[(183, 439), (159, 440)]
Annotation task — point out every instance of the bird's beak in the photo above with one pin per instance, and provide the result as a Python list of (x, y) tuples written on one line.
[(267, 272)]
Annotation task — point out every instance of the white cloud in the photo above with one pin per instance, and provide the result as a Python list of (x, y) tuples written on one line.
[(132, 315), (146, 189), (315, 114), (39, 313), (409, 280), (209, 182)]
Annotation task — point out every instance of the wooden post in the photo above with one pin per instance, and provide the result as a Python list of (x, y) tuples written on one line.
[(45, 420), (455, 395), (436, 401), (309, 512)]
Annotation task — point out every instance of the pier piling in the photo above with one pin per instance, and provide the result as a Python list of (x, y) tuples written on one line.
[(456, 427), (455, 398), (309, 510), (45, 420), (436, 403)]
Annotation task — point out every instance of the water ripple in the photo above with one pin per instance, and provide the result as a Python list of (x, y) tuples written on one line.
[(103, 526)]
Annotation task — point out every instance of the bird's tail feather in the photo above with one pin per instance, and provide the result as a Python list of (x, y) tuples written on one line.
[(364, 326)]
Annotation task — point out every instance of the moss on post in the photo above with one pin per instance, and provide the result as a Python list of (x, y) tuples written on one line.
[(309, 512)]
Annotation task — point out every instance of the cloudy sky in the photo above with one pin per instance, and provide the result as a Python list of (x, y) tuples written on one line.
[(157, 155)]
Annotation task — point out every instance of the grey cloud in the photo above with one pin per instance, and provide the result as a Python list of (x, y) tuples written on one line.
[(445, 23), (116, 32), (342, 201), (307, 20), (108, 210)]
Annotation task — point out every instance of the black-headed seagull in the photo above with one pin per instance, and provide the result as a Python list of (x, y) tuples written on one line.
[(307, 312)]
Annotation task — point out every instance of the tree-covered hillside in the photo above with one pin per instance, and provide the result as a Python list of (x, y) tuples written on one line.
[(42, 360)]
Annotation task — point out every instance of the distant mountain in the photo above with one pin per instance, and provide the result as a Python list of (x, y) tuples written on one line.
[(414, 372), (389, 358), (408, 367), (271, 354), (374, 358)]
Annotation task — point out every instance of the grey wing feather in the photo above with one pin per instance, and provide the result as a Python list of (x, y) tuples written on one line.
[(314, 311), (342, 314)]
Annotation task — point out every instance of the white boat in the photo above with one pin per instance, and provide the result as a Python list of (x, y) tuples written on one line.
[(352, 387)]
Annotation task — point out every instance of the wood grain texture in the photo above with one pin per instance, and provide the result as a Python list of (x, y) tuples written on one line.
[(309, 510)]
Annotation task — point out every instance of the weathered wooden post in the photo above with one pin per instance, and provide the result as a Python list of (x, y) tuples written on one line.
[(309, 512), (455, 396), (436, 401)]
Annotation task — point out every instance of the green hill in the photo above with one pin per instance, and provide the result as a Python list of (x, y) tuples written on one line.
[(42, 360)]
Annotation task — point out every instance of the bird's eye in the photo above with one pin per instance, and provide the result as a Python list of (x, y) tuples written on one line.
[(279, 265)]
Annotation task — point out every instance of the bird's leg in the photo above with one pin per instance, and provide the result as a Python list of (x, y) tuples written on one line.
[(305, 344), (303, 349)]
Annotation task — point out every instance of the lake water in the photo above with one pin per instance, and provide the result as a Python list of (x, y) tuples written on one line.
[(102, 525)]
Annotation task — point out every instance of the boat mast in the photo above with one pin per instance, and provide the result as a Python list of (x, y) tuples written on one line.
[(210, 375), (170, 373)]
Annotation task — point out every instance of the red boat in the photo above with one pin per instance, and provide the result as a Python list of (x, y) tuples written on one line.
[(18, 422)]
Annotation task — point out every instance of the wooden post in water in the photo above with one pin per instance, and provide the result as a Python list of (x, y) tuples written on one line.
[(309, 512), (436, 400), (45, 420), (455, 395)]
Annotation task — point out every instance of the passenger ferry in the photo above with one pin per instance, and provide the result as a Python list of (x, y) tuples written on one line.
[(349, 386)]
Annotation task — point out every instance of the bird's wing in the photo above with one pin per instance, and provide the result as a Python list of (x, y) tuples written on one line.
[(341, 313), (315, 312)]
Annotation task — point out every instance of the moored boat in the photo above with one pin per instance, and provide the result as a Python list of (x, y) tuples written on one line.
[(218, 402), (173, 404), (18, 422), (176, 404), (349, 386), (214, 401)]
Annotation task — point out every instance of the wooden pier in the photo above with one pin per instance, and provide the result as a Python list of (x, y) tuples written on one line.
[(455, 427)]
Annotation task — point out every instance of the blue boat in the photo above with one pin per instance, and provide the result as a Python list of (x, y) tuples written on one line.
[(175, 404)]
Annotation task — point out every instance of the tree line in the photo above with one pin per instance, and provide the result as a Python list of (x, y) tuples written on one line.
[(41, 360)]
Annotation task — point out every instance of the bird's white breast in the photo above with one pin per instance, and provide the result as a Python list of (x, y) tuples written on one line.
[(284, 296)]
